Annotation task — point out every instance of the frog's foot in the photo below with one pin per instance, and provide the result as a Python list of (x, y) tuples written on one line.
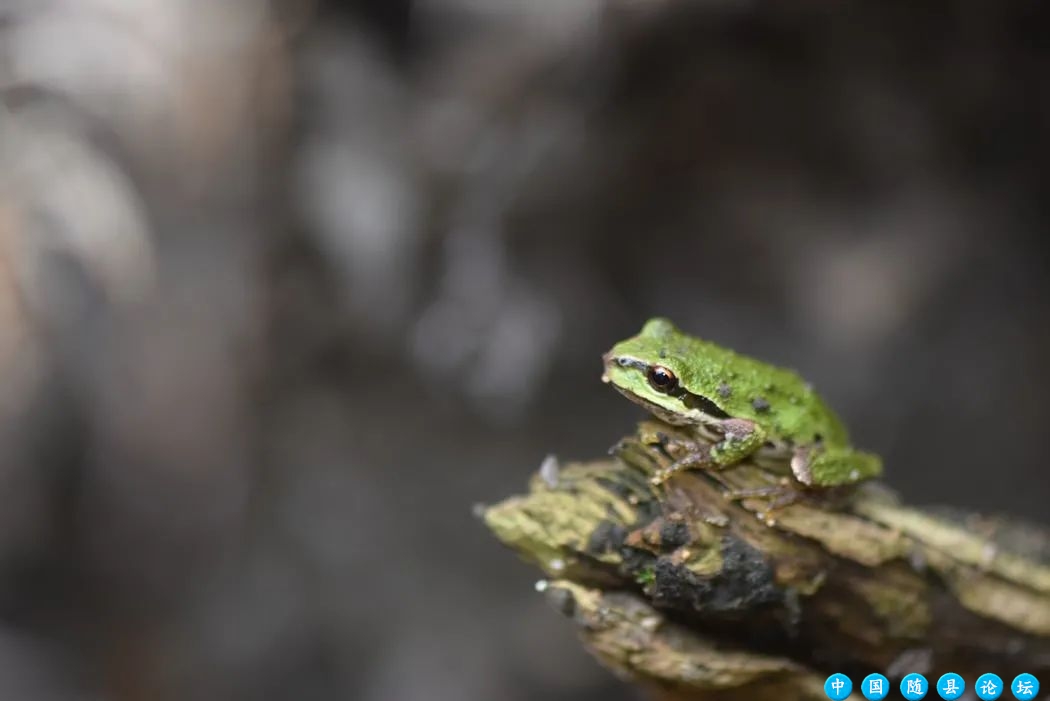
[(816, 466), (740, 438), (780, 496), (699, 455), (783, 494)]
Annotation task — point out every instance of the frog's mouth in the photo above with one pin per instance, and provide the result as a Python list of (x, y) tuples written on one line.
[(665, 415)]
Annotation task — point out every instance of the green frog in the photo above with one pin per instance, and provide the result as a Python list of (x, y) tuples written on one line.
[(736, 406)]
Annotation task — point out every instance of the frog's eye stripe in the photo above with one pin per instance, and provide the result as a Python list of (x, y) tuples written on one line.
[(675, 389), (695, 401)]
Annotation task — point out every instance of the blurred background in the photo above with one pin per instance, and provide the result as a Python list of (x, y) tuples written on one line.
[(287, 287)]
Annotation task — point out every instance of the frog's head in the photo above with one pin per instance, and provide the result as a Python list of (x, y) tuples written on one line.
[(663, 370)]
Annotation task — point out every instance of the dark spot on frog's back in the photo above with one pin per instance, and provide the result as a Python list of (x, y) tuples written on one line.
[(760, 404), (724, 391), (663, 353)]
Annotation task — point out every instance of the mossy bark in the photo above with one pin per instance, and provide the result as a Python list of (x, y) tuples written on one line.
[(702, 595)]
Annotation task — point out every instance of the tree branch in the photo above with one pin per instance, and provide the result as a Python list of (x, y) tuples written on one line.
[(702, 595)]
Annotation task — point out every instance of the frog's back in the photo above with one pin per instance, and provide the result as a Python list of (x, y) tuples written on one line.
[(777, 398)]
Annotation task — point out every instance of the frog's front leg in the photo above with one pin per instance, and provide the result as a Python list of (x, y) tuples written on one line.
[(740, 438), (816, 466), (687, 455)]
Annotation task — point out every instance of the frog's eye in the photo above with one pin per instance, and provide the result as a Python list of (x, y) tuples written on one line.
[(661, 379)]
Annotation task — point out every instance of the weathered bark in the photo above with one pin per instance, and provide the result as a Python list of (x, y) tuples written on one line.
[(703, 595)]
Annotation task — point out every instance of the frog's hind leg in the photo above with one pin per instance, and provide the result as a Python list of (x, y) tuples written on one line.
[(833, 467), (781, 494)]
